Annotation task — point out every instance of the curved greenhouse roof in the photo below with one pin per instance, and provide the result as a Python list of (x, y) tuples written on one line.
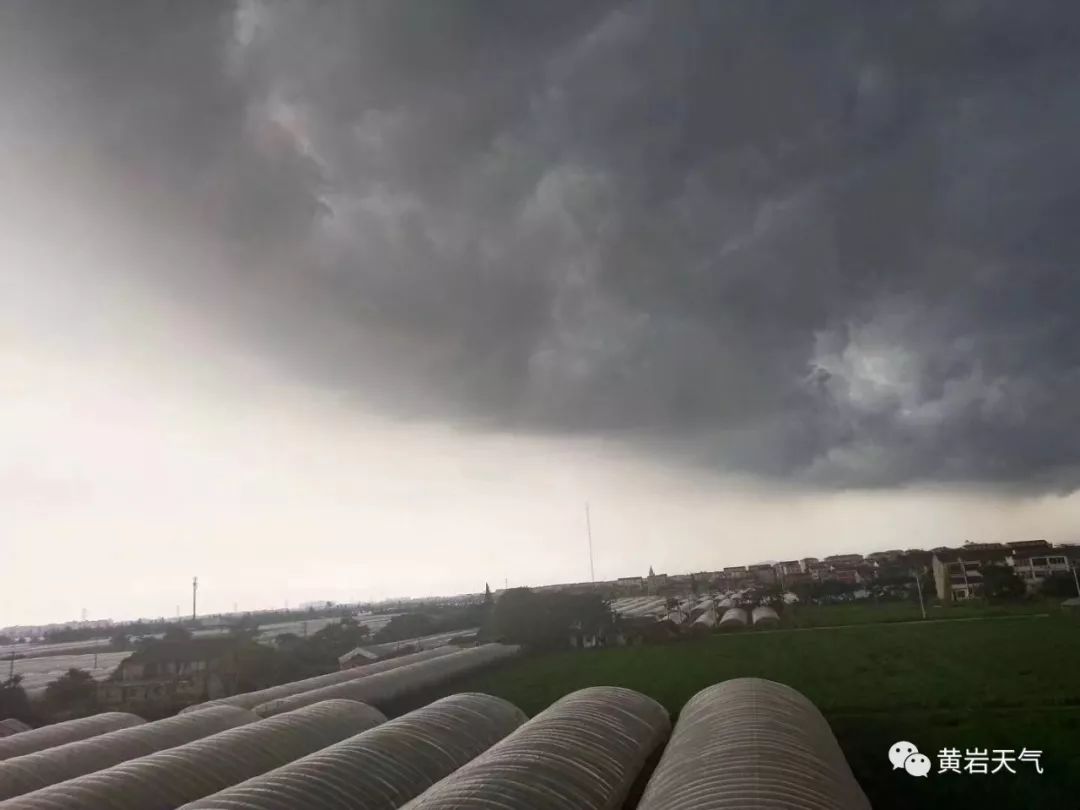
[(39, 739), (583, 752), (168, 779), (765, 615), (12, 726), (384, 687), (381, 768), (733, 617), (249, 700), (40, 769), (750, 742), (707, 618)]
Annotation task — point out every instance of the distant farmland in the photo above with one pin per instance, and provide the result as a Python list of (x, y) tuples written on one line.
[(996, 683), (43, 663), (39, 672)]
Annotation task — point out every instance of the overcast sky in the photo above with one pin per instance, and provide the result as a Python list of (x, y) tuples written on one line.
[(363, 299)]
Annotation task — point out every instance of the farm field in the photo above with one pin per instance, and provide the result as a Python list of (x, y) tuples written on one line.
[(37, 673), (58, 648), (1007, 683), (50, 661), (869, 612)]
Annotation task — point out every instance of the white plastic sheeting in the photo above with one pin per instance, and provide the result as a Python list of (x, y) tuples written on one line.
[(12, 726), (23, 774), (167, 779), (707, 619), (750, 742), (429, 642), (388, 686), (584, 753), (249, 700), (733, 617), (642, 606), (39, 739), (382, 768), (677, 617), (765, 616)]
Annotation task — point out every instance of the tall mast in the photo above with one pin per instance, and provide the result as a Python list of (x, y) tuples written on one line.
[(588, 531)]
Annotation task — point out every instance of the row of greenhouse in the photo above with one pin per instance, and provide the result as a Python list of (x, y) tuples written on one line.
[(11, 726), (741, 743), (697, 613)]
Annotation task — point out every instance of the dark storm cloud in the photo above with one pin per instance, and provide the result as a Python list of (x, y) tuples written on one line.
[(823, 241)]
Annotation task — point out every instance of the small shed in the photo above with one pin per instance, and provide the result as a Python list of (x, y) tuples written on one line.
[(357, 657)]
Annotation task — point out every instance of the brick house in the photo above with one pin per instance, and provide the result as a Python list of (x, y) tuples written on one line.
[(174, 673)]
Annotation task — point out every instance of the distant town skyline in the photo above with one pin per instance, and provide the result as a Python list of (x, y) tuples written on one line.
[(613, 565)]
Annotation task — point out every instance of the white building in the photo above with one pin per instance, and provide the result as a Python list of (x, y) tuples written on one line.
[(1035, 568), (789, 567)]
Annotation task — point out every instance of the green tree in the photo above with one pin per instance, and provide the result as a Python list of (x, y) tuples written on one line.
[(246, 627), (1001, 583), (827, 589), (335, 640), (13, 700), (546, 620), (407, 625), (1059, 586), (488, 598), (926, 582), (73, 693), (120, 641), (294, 657), (174, 632), (259, 666), (287, 640)]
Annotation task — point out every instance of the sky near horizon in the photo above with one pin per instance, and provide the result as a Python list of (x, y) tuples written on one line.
[(369, 299)]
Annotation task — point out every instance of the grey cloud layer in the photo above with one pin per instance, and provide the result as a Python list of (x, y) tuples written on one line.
[(822, 241)]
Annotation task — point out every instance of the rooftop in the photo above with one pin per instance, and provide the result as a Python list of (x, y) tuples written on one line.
[(971, 554), (1024, 545)]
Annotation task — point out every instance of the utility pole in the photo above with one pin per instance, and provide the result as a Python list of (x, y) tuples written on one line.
[(588, 530), (1076, 582), (194, 593), (918, 584)]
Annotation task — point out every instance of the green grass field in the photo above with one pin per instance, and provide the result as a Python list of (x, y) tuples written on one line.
[(999, 683), (868, 612)]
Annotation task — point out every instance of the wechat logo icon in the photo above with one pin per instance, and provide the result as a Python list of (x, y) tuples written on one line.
[(906, 755)]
